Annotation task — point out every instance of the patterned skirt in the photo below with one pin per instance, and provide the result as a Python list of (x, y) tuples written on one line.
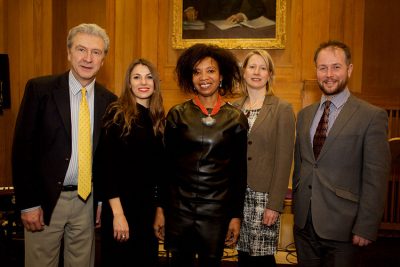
[(256, 238)]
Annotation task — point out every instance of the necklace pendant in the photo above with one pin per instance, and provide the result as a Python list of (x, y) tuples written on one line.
[(208, 121)]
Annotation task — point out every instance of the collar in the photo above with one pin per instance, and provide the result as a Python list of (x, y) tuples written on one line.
[(75, 86), (337, 100)]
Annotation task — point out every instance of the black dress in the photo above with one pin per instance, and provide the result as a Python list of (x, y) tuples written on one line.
[(207, 180), (128, 168)]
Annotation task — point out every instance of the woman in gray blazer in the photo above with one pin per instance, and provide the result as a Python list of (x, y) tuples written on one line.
[(269, 158)]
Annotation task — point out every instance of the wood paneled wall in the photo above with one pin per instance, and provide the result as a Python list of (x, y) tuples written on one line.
[(5, 119), (381, 71), (33, 33)]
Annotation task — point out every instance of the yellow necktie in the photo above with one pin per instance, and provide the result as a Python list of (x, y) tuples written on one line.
[(84, 149)]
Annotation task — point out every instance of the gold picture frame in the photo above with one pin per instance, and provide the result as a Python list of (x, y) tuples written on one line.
[(179, 41)]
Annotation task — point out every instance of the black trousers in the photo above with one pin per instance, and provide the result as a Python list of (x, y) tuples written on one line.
[(245, 260)]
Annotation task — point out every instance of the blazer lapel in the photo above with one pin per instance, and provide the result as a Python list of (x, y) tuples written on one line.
[(308, 119), (341, 121), (62, 101), (100, 105), (264, 112)]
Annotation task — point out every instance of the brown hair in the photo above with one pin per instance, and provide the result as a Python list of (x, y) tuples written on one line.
[(334, 44), (125, 110)]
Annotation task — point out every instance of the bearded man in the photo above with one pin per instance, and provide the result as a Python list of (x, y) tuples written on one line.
[(342, 161)]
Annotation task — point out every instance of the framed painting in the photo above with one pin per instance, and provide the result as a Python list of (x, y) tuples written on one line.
[(262, 23)]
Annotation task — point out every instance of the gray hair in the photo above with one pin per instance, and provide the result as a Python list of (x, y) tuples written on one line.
[(92, 29)]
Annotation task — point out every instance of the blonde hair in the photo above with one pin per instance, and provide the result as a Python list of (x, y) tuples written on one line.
[(271, 69)]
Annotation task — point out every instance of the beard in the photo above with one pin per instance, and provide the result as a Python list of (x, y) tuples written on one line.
[(339, 88)]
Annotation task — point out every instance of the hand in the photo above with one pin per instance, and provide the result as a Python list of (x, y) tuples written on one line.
[(190, 14), (98, 217), (360, 241), (121, 228), (270, 217), (233, 232), (237, 18), (33, 220), (159, 222)]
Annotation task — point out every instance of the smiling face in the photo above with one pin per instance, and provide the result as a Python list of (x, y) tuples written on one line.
[(256, 73), (86, 56), (332, 71), (206, 77), (142, 84)]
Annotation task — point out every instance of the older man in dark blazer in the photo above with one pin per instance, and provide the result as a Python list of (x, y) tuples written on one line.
[(45, 154), (339, 191)]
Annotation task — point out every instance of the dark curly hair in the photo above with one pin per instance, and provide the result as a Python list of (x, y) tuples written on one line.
[(227, 65)]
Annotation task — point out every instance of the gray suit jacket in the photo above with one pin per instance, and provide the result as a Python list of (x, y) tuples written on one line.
[(270, 150), (346, 186)]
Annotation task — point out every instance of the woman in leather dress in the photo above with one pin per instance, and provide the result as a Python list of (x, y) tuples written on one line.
[(205, 141), (129, 148)]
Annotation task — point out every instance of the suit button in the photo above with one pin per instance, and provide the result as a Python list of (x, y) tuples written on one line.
[(249, 158), (66, 159), (250, 142), (309, 186)]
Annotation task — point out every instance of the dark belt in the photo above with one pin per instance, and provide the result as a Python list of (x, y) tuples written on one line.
[(69, 188)]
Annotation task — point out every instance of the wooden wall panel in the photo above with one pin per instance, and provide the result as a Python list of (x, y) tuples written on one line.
[(148, 35), (5, 118), (36, 45), (108, 75), (59, 42), (27, 43), (167, 56), (315, 29), (125, 39), (353, 36), (26, 54), (337, 18), (43, 38), (88, 11), (381, 44), (333, 19), (3, 26)]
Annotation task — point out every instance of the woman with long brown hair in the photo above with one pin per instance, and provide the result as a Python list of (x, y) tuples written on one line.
[(129, 152)]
